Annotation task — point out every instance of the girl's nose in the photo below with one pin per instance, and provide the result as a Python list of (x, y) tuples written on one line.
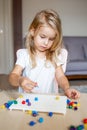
[(46, 42)]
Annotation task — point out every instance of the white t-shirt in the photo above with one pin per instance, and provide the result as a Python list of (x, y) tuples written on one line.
[(43, 75)]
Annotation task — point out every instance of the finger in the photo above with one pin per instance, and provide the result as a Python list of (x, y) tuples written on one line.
[(77, 95), (29, 86), (32, 82), (28, 89)]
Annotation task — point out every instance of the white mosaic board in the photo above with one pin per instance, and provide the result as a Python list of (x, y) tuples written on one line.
[(41, 103)]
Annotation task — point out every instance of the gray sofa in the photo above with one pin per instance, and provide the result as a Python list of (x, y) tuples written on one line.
[(77, 57)]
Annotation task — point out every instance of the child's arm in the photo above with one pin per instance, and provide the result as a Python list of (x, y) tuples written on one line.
[(15, 75), (63, 82), (17, 80)]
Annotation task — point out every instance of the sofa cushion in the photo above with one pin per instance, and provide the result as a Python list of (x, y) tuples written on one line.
[(85, 50), (75, 52), (77, 66)]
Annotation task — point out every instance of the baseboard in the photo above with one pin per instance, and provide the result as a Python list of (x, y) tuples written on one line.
[(73, 77)]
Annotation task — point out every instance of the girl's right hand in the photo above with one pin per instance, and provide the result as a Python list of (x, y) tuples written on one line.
[(27, 84)]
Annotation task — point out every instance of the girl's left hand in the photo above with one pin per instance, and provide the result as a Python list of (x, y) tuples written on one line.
[(72, 93)]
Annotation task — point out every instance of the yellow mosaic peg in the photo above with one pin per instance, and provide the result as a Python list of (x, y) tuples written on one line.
[(78, 104), (21, 96), (2, 106), (29, 112), (57, 97), (85, 126)]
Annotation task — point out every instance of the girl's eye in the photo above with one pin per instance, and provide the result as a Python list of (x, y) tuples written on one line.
[(42, 36), (51, 39)]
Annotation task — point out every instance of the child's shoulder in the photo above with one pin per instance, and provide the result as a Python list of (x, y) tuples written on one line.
[(22, 51), (64, 51)]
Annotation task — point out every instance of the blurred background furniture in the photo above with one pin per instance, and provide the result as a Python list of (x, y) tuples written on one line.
[(77, 57)]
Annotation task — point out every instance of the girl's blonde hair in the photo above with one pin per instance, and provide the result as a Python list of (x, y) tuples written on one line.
[(51, 18)]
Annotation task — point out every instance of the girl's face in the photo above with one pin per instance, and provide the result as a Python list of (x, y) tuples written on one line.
[(44, 38)]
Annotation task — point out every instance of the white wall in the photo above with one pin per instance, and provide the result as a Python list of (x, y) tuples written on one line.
[(73, 14), (6, 38)]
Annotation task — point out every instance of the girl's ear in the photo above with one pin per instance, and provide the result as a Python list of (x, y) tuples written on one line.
[(32, 32)]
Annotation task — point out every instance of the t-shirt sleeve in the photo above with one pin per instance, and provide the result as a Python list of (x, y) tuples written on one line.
[(62, 59), (21, 57)]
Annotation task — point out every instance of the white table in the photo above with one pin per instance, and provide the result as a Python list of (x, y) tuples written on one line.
[(19, 120)]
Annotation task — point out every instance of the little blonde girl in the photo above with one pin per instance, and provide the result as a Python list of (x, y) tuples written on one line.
[(40, 67)]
